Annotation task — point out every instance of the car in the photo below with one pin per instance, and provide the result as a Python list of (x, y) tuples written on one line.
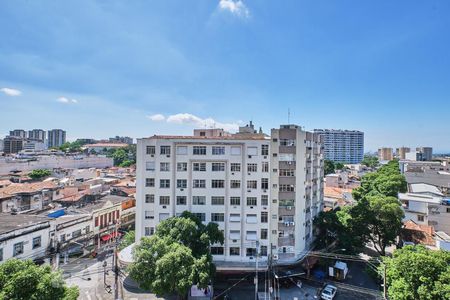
[(328, 292)]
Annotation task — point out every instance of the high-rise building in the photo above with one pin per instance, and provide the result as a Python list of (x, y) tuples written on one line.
[(260, 190), (13, 144), (56, 137), (426, 152), (18, 133), (346, 146), (401, 152), (37, 135), (385, 154)]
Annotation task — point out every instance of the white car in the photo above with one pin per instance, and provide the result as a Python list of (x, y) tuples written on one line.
[(328, 292)]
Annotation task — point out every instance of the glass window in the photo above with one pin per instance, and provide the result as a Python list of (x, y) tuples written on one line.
[(235, 167), (252, 201), (150, 166), (265, 167), (287, 172), (199, 183), (264, 149), (217, 200), (37, 241), (264, 217), (164, 200), (265, 183), (217, 167), (264, 200), (235, 251), (252, 184), (182, 150), (217, 217), (181, 167), (149, 182), (164, 167), (218, 150), (181, 183), (250, 252), (263, 251), (149, 214), (149, 198), (200, 216), (150, 150), (252, 167), (287, 188), (264, 234), (217, 184), (216, 250), (198, 200), (164, 183), (199, 150), (235, 184), (235, 200), (199, 167), (164, 150), (181, 200), (18, 249)]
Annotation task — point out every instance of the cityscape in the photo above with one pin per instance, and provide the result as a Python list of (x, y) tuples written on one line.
[(118, 180)]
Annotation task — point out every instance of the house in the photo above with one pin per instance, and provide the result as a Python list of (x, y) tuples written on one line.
[(335, 197), (25, 236), (73, 231), (417, 233), (425, 189)]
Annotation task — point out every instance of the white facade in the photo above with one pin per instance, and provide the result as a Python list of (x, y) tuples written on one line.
[(345, 146), (233, 181)]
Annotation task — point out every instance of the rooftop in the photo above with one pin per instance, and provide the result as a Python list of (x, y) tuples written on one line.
[(26, 188), (241, 136), (419, 198), (113, 199), (424, 188), (13, 222), (111, 145)]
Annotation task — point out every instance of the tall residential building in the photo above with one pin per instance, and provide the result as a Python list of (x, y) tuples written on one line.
[(427, 153), (401, 152), (13, 144), (385, 154), (257, 188), (346, 146), (18, 133), (37, 135), (56, 137)]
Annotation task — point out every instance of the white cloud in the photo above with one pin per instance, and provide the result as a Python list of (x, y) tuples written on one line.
[(66, 100), (192, 120), (157, 117), (10, 92), (236, 7)]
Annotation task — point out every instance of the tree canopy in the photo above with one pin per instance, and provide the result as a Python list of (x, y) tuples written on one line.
[(123, 157), (39, 173), (370, 161), (330, 167), (127, 239), (22, 279), (176, 256), (416, 273)]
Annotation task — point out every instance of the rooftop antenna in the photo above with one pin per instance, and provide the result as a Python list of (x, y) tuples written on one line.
[(289, 116)]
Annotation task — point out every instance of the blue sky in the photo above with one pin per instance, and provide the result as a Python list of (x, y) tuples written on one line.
[(138, 68)]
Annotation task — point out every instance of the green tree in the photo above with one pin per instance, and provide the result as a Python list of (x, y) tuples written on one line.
[(127, 239), (338, 166), (329, 167), (370, 161), (22, 279), (119, 156), (416, 273), (39, 173)]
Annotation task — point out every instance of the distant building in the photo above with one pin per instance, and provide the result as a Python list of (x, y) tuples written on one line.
[(121, 139), (18, 133), (13, 144), (1, 145), (33, 145), (427, 153), (36, 135), (401, 152), (86, 141), (56, 137), (385, 154), (101, 147), (346, 146)]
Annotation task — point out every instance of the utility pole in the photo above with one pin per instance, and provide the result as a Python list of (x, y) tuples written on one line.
[(256, 275), (384, 282)]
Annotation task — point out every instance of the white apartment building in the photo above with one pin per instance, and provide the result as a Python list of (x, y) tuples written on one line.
[(345, 146), (233, 180)]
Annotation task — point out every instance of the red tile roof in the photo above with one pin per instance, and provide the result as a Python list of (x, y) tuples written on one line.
[(26, 188), (418, 234)]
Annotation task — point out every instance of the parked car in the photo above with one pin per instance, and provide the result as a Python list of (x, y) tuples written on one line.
[(328, 292)]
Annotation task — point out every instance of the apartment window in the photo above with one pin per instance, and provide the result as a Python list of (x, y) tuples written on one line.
[(181, 167), (150, 150), (164, 167), (235, 234), (264, 200), (217, 217), (264, 217), (149, 198), (216, 150), (265, 167), (164, 200), (263, 251), (149, 215), (235, 150), (252, 184), (217, 184), (62, 237), (199, 150), (37, 242), (149, 231), (182, 150), (164, 150), (287, 142), (200, 216), (286, 202), (199, 183), (149, 182), (448, 209), (75, 234), (265, 183), (235, 184), (164, 183), (18, 249), (181, 183), (252, 150), (150, 166), (235, 200), (251, 219), (235, 167), (252, 167), (252, 201), (164, 216), (250, 252), (198, 200), (287, 172), (235, 217), (216, 250), (217, 167), (264, 149), (287, 188), (217, 200), (181, 200), (235, 251), (201, 167), (251, 236), (264, 234), (420, 218), (1, 254)]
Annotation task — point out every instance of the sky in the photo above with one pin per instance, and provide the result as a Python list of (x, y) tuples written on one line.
[(138, 68)]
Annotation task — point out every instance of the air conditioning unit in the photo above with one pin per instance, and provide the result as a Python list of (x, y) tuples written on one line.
[(265, 191), (289, 207), (292, 224), (249, 156), (164, 206), (265, 156), (286, 224), (234, 241), (275, 257), (153, 155), (249, 191), (168, 155), (249, 173), (232, 173), (251, 207)]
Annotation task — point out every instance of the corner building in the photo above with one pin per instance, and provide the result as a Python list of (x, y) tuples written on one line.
[(257, 188)]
